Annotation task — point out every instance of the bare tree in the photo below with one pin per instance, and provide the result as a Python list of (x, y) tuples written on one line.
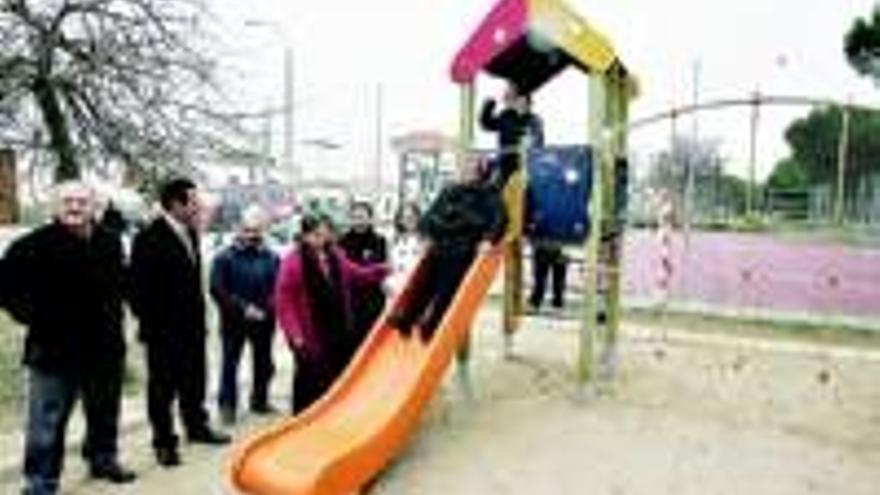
[(702, 161), (122, 80)]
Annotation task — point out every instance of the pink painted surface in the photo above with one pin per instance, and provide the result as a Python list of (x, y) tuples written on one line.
[(743, 271), (505, 24)]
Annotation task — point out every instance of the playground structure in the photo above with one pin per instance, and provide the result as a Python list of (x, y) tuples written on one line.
[(364, 420), (528, 43)]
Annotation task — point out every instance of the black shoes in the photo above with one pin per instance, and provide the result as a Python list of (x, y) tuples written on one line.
[(167, 457), (396, 321), (113, 472), (426, 335), (208, 436)]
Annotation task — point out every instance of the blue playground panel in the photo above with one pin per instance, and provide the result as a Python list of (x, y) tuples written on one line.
[(559, 184)]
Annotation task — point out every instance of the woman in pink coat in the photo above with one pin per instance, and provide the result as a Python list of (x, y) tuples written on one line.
[(313, 298)]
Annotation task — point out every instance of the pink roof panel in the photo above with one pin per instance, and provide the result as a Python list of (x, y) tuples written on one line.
[(504, 26)]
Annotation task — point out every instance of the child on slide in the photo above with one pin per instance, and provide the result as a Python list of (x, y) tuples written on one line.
[(467, 217)]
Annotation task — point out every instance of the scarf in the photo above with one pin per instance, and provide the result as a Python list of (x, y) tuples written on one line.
[(326, 297)]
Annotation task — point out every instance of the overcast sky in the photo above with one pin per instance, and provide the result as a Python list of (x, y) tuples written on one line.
[(344, 49)]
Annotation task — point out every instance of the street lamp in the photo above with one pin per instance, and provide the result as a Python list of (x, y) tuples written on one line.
[(287, 158), (753, 142), (842, 149)]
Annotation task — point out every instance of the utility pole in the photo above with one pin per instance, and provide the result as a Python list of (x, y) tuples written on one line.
[(267, 143), (842, 149), (379, 121), (288, 159), (753, 138), (691, 157)]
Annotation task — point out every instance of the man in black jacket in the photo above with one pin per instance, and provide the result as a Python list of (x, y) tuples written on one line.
[(168, 300), (69, 286), (466, 218), (242, 284)]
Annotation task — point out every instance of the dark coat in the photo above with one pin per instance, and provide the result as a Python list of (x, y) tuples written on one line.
[(462, 216), (5, 283), (364, 247), (69, 292), (166, 285), (508, 123), (242, 275), (114, 221)]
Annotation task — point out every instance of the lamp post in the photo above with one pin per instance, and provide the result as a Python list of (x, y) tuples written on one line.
[(288, 162), (842, 149), (780, 62), (692, 157), (753, 145)]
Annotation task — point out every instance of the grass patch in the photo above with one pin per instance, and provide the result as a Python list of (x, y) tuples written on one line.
[(692, 320), (765, 327), (11, 371)]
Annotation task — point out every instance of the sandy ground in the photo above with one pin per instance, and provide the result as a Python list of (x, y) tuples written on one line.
[(701, 414)]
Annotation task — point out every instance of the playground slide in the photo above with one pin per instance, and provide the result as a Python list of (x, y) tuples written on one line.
[(348, 435)]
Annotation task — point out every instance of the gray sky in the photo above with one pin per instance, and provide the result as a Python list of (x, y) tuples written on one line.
[(343, 49)]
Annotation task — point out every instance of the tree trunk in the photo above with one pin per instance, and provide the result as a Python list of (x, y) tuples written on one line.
[(59, 132), (9, 210)]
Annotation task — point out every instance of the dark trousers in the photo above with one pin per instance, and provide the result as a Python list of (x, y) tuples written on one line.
[(368, 306), (234, 338), (51, 397), (176, 370), (433, 289), (310, 382), (548, 261)]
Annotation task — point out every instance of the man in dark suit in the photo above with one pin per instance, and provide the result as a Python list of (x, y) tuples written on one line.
[(168, 299)]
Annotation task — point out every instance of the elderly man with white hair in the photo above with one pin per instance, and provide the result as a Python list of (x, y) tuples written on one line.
[(242, 283), (69, 280)]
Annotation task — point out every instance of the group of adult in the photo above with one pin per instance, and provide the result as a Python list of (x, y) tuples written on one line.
[(68, 281)]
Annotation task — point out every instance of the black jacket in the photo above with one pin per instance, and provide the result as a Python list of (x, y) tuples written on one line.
[(69, 292), (5, 283), (462, 216), (242, 275), (508, 123), (364, 247), (166, 286)]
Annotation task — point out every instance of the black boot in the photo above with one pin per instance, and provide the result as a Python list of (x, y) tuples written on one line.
[(112, 472)]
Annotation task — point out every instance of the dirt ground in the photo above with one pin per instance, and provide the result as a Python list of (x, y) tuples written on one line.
[(694, 413)]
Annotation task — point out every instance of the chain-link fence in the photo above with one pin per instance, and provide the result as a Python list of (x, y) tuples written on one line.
[(757, 229)]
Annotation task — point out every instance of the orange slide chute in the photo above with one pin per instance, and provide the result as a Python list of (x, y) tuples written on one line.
[(347, 436)]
